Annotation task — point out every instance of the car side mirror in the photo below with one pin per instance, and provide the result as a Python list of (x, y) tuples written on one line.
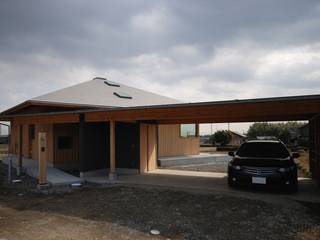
[(295, 155), (231, 154)]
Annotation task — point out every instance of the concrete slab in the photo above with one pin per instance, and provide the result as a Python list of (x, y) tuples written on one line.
[(55, 176), (203, 158)]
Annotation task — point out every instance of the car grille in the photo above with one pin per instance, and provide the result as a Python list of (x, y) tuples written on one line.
[(259, 170)]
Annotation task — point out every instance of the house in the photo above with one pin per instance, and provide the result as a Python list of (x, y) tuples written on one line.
[(103, 125), (236, 139), (79, 145)]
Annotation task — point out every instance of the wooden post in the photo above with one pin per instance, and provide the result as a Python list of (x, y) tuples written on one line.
[(152, 147), (81, 143), (42, 140), (19, 168), (112, 170)]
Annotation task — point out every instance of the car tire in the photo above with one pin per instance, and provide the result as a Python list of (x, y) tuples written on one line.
[(293, 187), (231, 183)]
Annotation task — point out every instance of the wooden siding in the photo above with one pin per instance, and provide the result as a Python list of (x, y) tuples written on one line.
[(47, 128), (66, 158), (314, 144), (171, 144), (25, 141), (14, 141)]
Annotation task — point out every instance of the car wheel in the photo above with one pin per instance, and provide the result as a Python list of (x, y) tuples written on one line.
[(293, 187), (231, 183)]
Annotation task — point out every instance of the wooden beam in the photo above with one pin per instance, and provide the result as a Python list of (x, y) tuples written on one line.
[(50, 119), (264, 111), (42, 148), (112, 170)]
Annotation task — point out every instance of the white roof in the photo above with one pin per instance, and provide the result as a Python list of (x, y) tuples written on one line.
[(97, 93)]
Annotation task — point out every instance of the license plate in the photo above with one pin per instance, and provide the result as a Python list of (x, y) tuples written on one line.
[(259, 180)]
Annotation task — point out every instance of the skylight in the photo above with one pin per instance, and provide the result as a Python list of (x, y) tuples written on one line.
[(99, 78), (110, 83), (122, 95)]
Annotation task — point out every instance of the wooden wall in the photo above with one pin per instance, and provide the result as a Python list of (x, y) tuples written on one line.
[(14, 141), (32, 152), (171, 144), (314, 147)]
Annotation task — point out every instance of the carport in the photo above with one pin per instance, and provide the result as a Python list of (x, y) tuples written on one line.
[(297, 108)]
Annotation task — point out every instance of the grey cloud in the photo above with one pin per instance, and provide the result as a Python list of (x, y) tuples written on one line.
[(192, 50)]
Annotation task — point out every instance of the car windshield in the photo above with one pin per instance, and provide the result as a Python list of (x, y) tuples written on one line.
[(263, 150)]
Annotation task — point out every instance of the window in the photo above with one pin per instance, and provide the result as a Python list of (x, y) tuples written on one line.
[(31, 132), (65, 143), (263, 150), (188, 130), (122, 95)]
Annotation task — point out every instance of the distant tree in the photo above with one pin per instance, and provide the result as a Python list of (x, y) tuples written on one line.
[(283, 131), (221, 137)]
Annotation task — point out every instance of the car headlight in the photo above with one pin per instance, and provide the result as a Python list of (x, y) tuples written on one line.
[(283, 170), (236, 167)]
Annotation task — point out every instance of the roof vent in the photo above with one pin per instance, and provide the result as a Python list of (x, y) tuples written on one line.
[(122, 95)]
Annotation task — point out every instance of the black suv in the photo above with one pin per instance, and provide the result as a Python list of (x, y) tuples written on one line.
[(263, 162)]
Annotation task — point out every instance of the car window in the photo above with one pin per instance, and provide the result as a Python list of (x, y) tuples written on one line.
[(263, 150)]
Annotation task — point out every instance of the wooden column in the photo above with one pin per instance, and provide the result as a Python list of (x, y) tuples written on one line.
[(112, 170), (42, 140), (81, 143), (152, 147), (19, 168), (148, 147)]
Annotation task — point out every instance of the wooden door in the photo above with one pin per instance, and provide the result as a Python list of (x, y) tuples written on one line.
[(127, 145)]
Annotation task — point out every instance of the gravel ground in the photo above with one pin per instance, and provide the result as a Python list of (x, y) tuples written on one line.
[(126, 212)]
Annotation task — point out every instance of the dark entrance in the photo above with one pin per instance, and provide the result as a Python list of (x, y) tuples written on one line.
[(96, 146), (66, 147), (127, 145)]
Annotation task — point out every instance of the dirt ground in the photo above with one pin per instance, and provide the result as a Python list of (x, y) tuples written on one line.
[(126, 212)]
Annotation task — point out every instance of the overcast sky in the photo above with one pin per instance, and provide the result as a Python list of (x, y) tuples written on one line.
[(189, 50)]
